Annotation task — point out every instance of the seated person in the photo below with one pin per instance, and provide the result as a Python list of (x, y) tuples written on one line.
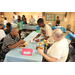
[(13, 20), (32, 20), (2, 26), (11, 41), (2, 33), (5, 21), (58, 52), (8, 30), (24, 19), (45, 30), (57, 21), (19, 17)]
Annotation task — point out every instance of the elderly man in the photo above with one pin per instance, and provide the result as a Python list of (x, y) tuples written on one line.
[(11, 41), (32, 20), (58, 52)]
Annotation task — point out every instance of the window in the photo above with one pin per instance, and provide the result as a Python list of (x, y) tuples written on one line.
[(50, 17), (53, 17)]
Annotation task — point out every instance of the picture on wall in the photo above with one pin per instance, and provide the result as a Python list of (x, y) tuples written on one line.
[(2, 14)]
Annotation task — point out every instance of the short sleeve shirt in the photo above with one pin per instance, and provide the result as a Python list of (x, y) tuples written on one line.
[(47, 31), (59, 50), (32, 20), (9, 40), (19, 24)]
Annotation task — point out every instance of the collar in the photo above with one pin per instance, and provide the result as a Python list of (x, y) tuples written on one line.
[(11, 36)]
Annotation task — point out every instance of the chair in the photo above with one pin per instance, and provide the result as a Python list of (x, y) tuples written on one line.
[(71, 49), (1, 43)]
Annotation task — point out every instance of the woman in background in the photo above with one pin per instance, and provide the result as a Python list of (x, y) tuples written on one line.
[(13, 20), (24, 19), (57, 21)]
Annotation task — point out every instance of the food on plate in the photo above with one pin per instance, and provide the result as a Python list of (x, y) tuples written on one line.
[(21, 46), (39, 47), (41, 34), (45, 41), (40, 43), (25, 43)]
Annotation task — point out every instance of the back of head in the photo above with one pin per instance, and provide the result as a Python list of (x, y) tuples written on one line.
[(19, 20), (5, 18), (14, 29), (8, 24), (40, 20), (58, 33)]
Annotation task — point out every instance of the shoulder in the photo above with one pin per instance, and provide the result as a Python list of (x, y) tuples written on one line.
[(7, 37), (47, 26)]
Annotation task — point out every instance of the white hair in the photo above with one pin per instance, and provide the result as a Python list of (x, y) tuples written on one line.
[(58, 33)]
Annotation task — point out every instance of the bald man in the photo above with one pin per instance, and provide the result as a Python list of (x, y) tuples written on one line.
[(58, 52), (11, 41)]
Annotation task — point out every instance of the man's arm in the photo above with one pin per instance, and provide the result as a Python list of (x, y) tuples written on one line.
[(45, 38), (52, 59), (37, 36), (15, 45)]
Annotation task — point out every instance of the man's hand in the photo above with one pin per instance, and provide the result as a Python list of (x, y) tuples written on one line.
[(21, 41), (33, 39), (37, 40), (40, 51)]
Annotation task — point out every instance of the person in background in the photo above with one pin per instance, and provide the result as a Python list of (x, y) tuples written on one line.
[(2, 26), (13, 20), (2, 34), (57, 21), (24, 19), (5, 21), (11, 41), (58, 52), (19, 24), (19, 17), (32, 20), (8, 30)]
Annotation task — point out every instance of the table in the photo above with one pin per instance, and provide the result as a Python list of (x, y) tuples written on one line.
[(26, 26), (29, 27), (15, 56), (70, 35), (55, 27)]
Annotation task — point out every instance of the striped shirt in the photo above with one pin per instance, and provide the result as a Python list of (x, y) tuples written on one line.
[(9, 40)]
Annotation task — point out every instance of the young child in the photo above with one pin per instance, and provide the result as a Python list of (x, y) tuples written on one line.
[(19, 24)]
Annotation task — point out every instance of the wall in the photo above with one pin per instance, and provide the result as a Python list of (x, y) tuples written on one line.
[(72, 21), (63, 23), (28, 15), (9, 16), (70, 18)]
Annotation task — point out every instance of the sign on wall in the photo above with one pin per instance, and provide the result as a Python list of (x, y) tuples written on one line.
[(39, 15)]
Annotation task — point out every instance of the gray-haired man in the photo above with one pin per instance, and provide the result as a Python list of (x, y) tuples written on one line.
[(12, 40), (58, 52)]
